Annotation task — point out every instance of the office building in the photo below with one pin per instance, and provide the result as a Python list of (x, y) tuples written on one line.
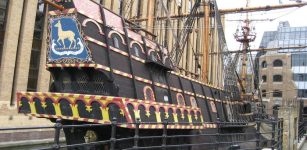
[(281, 73)]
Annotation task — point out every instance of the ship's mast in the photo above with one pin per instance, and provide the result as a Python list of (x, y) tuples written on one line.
[(244, 36)]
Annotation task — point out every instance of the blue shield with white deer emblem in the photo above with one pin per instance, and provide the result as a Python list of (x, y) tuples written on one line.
[(66, 42)]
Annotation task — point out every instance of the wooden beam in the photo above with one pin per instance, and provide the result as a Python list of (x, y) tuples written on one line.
[(200, 14), (260, 8), (260, 50), (229, 11), (150, 15), (206, 42), (59, 7)]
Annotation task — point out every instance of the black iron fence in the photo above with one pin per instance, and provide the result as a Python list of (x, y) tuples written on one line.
[(231, 136), (301, 130)]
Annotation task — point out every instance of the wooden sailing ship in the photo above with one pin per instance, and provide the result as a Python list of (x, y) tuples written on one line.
[(103, 68)]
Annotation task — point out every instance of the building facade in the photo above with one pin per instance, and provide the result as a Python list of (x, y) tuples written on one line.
[(276, 79), (281, 74), (22, 55)]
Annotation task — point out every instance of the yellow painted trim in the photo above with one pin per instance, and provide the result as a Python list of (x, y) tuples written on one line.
[(75, 112), (137, 114), (32, 107), (57, 109), (175, 117), (158, 117), (105, 114)]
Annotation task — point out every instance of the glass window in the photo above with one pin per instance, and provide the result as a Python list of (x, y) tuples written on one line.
[(286, 43), (136, 50), (302, 42), (292, 35), (277, 78), (302, 93), (264, 64), (277, 93), (295, 59), (193, 102), (36, 47), (303, 35), (3, 10), (277, 63), (279, 36), (263, 92), (165, 98), (148, 93), (116, 41), (287, 29), (287, 35), (297, 35), (180, 99), (300, 77), (292, 30), (299, 59), (264, 78)]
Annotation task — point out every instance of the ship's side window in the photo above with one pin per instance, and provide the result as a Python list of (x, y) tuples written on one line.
[(149, 94), (193, 102), (116, 41), (180, 99), (153, 55), (136, 50), (165, 98)]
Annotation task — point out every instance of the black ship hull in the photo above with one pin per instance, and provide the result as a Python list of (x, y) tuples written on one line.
[(104, 70)]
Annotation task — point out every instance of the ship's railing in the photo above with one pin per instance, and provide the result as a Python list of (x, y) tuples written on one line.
[(188, 73), (223, 138), (301, 130)]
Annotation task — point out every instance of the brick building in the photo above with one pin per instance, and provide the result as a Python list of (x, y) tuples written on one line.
[(282, 73), (21, 48)]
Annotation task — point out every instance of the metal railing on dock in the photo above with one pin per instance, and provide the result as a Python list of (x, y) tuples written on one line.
[(222, 138)]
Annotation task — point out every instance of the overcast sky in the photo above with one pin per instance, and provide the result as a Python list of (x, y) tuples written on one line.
[(296, 17)]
